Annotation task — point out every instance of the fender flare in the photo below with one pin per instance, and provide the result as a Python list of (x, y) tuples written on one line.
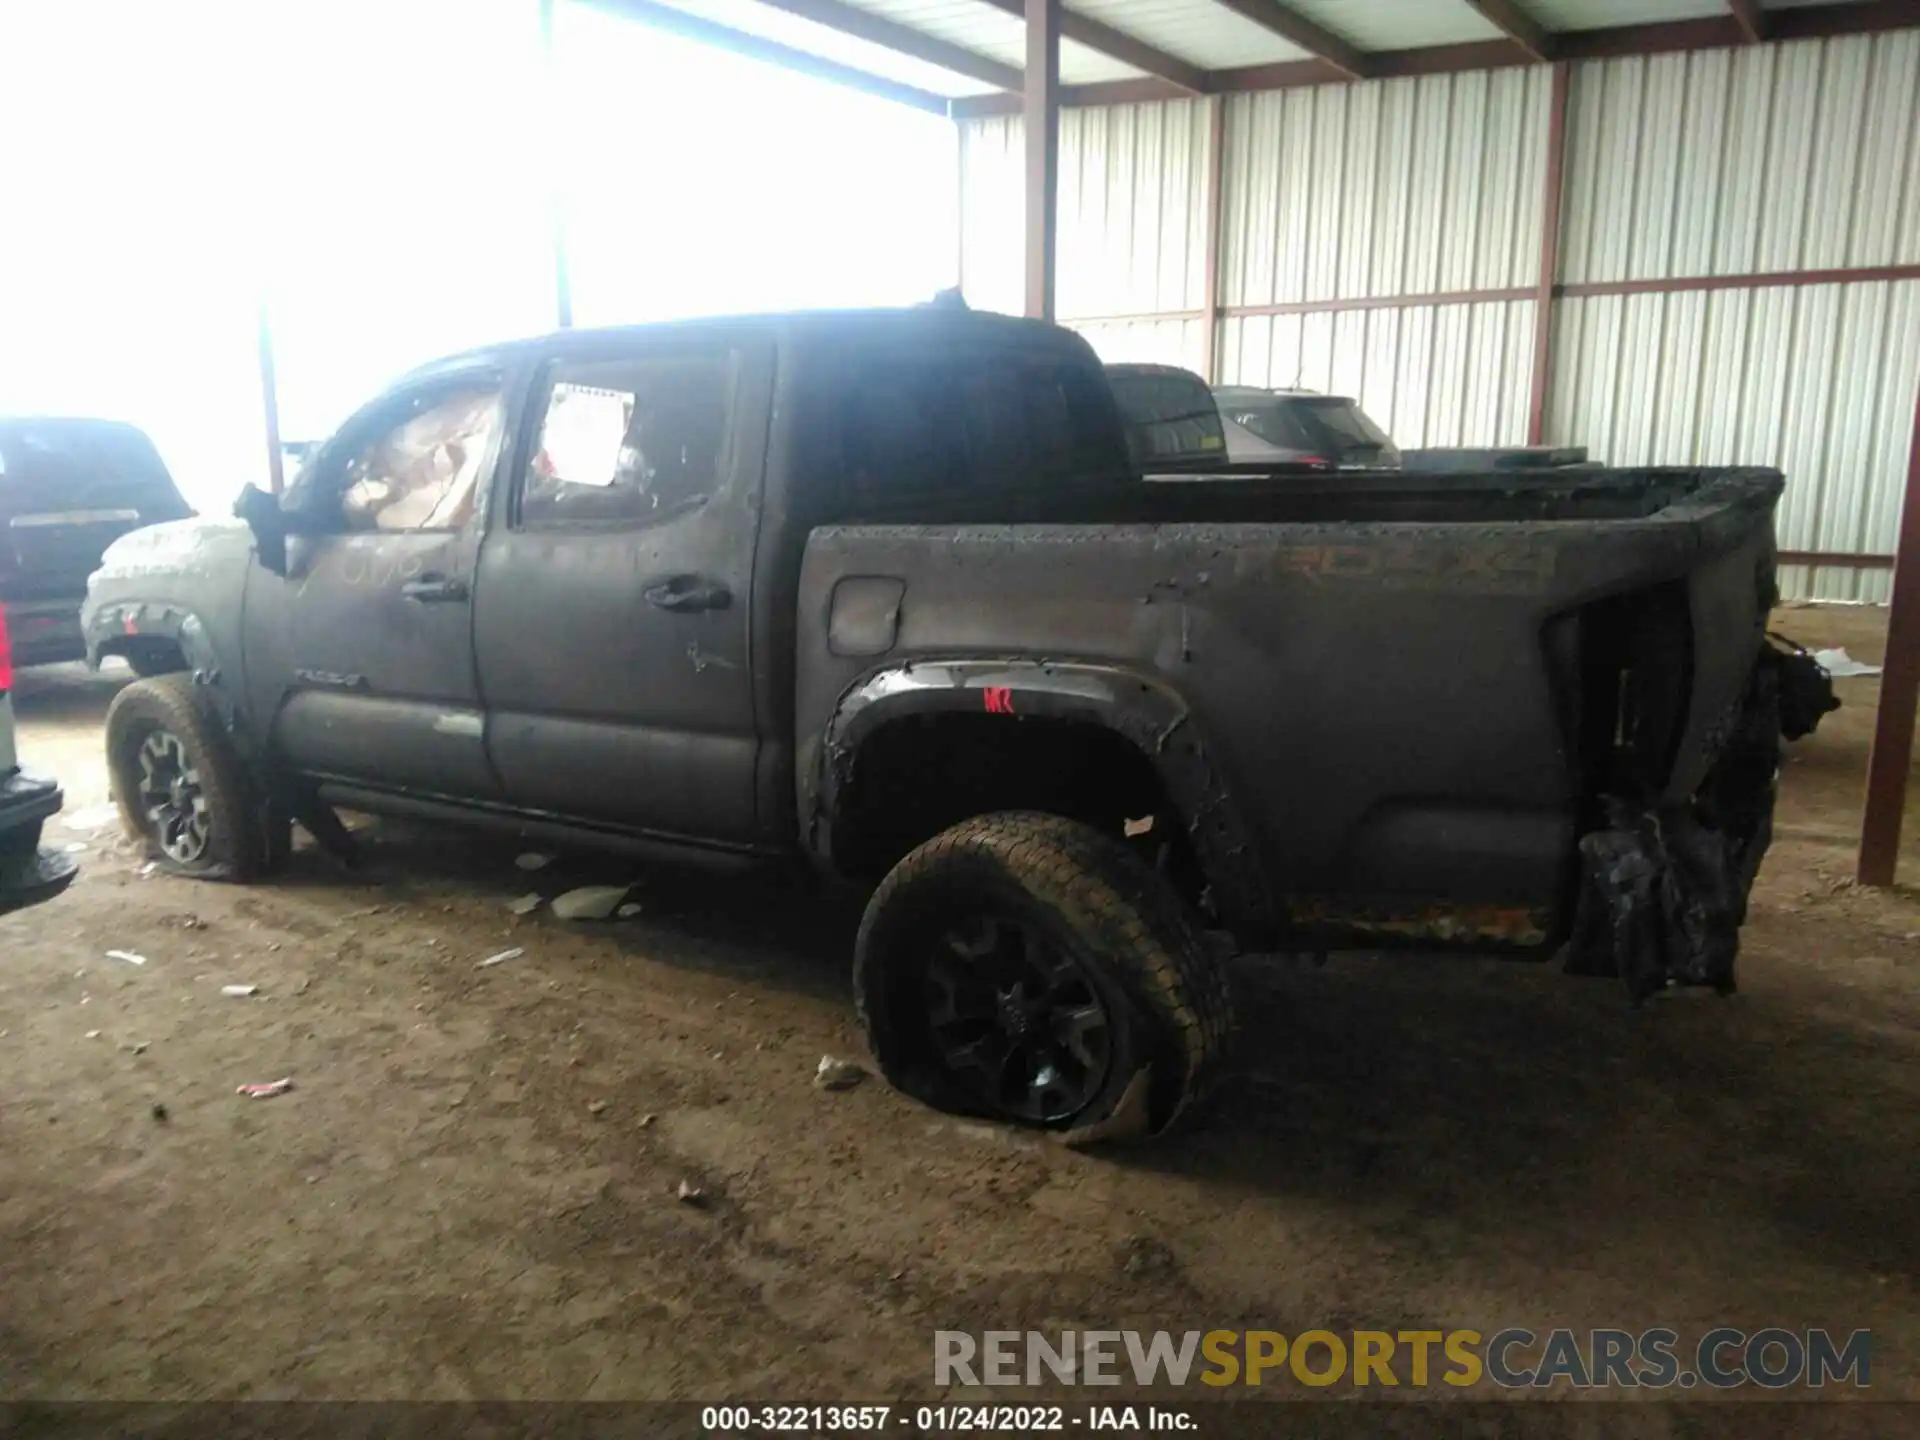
[(1142, 709), (110, 627)]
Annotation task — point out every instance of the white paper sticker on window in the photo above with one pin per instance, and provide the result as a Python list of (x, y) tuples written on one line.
[(585, 429)]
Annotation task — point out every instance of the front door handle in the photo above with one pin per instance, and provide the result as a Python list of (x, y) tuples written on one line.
[(431, 589), (685, 593)]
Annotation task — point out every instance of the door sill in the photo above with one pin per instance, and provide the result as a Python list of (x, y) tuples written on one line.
[(559, 831)]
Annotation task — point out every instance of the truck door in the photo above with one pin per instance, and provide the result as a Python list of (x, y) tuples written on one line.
[(611, 620), (364, 652)]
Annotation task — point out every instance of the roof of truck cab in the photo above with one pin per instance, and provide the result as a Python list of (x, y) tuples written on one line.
[(936, 323)]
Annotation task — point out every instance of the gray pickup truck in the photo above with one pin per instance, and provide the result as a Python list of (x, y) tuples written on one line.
[(884, 591)]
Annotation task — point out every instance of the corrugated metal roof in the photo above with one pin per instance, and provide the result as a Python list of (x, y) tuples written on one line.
[(1202, 31), (996, 34), (1398, 24), (830, 44), (1397, 187), (1600, 14)]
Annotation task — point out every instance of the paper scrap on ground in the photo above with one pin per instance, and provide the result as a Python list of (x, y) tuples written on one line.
[(94, 817), (1842, 666), (589, 902), (128, 956), (265, 1089), (239, 992)]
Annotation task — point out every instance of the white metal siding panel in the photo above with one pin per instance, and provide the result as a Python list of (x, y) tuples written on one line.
[(993, 211), (1725, 162), (1133, 214), (1820, 381), (1133, 211), (1387, 188), (1152, 342), (1430, 375)]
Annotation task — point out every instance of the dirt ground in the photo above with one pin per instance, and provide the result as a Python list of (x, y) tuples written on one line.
[(471, 1190)]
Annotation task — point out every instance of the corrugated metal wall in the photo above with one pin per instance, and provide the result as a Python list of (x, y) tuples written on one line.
[(1396, 187), (1762, 160), (1765, 159), (1133, 214)]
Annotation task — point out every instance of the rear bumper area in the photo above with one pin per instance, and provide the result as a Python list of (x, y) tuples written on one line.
[(25, 800), (29, 873), (46, 632)]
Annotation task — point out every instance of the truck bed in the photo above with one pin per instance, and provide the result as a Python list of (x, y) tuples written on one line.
[(1423, 689)]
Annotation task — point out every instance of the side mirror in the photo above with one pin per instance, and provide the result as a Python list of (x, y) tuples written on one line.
[(264, 517)]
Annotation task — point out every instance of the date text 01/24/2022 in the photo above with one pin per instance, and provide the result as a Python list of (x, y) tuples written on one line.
[(939, 1419)]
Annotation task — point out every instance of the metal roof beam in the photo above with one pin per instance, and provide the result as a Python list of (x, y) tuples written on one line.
[(1118, 45), (1751, 19), (755, 47), (1296, 29), (1525, 31), (892, 35)]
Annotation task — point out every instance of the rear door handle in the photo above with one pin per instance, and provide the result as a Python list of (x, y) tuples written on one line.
[(685, 593), (431, 589)]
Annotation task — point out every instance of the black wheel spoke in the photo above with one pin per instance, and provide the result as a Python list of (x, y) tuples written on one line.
[(1015, 1018)]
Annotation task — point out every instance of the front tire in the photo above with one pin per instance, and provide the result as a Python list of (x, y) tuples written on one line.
[(179, 784), (1031, 969)]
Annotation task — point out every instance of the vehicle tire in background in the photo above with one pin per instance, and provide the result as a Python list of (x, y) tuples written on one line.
[(1029, 968), (179, 784)]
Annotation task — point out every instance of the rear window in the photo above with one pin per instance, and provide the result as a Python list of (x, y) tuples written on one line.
[(1344, 422), (1168, 416), (979, 422), (76, 466), (1272, 421)]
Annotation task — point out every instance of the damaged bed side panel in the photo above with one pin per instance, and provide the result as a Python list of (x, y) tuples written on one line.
[(1382, 700)]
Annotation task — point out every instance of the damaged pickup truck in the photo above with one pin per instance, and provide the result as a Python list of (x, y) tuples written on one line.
[(883, 591)]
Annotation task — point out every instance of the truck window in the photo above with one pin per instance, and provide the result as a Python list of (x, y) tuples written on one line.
[(625, 442), (990, 421), (424, 472)]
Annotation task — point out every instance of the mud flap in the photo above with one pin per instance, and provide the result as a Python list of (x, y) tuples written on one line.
[(1663, 890)]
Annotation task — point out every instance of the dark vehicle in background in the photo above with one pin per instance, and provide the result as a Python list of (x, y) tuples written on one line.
[(68, 489), (28, 873), (1169, 416), (883, 592), (1322, 431)]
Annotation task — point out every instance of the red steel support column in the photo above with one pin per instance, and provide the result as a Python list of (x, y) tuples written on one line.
[(1549, 255), (1210, 302), (1042, 111), (1891, 760), (270, 401)]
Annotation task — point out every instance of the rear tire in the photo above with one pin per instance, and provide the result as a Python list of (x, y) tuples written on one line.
[(179, 783), (1031, 969)]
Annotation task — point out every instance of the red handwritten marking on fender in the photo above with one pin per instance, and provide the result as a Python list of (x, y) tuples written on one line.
[(999, 700)]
